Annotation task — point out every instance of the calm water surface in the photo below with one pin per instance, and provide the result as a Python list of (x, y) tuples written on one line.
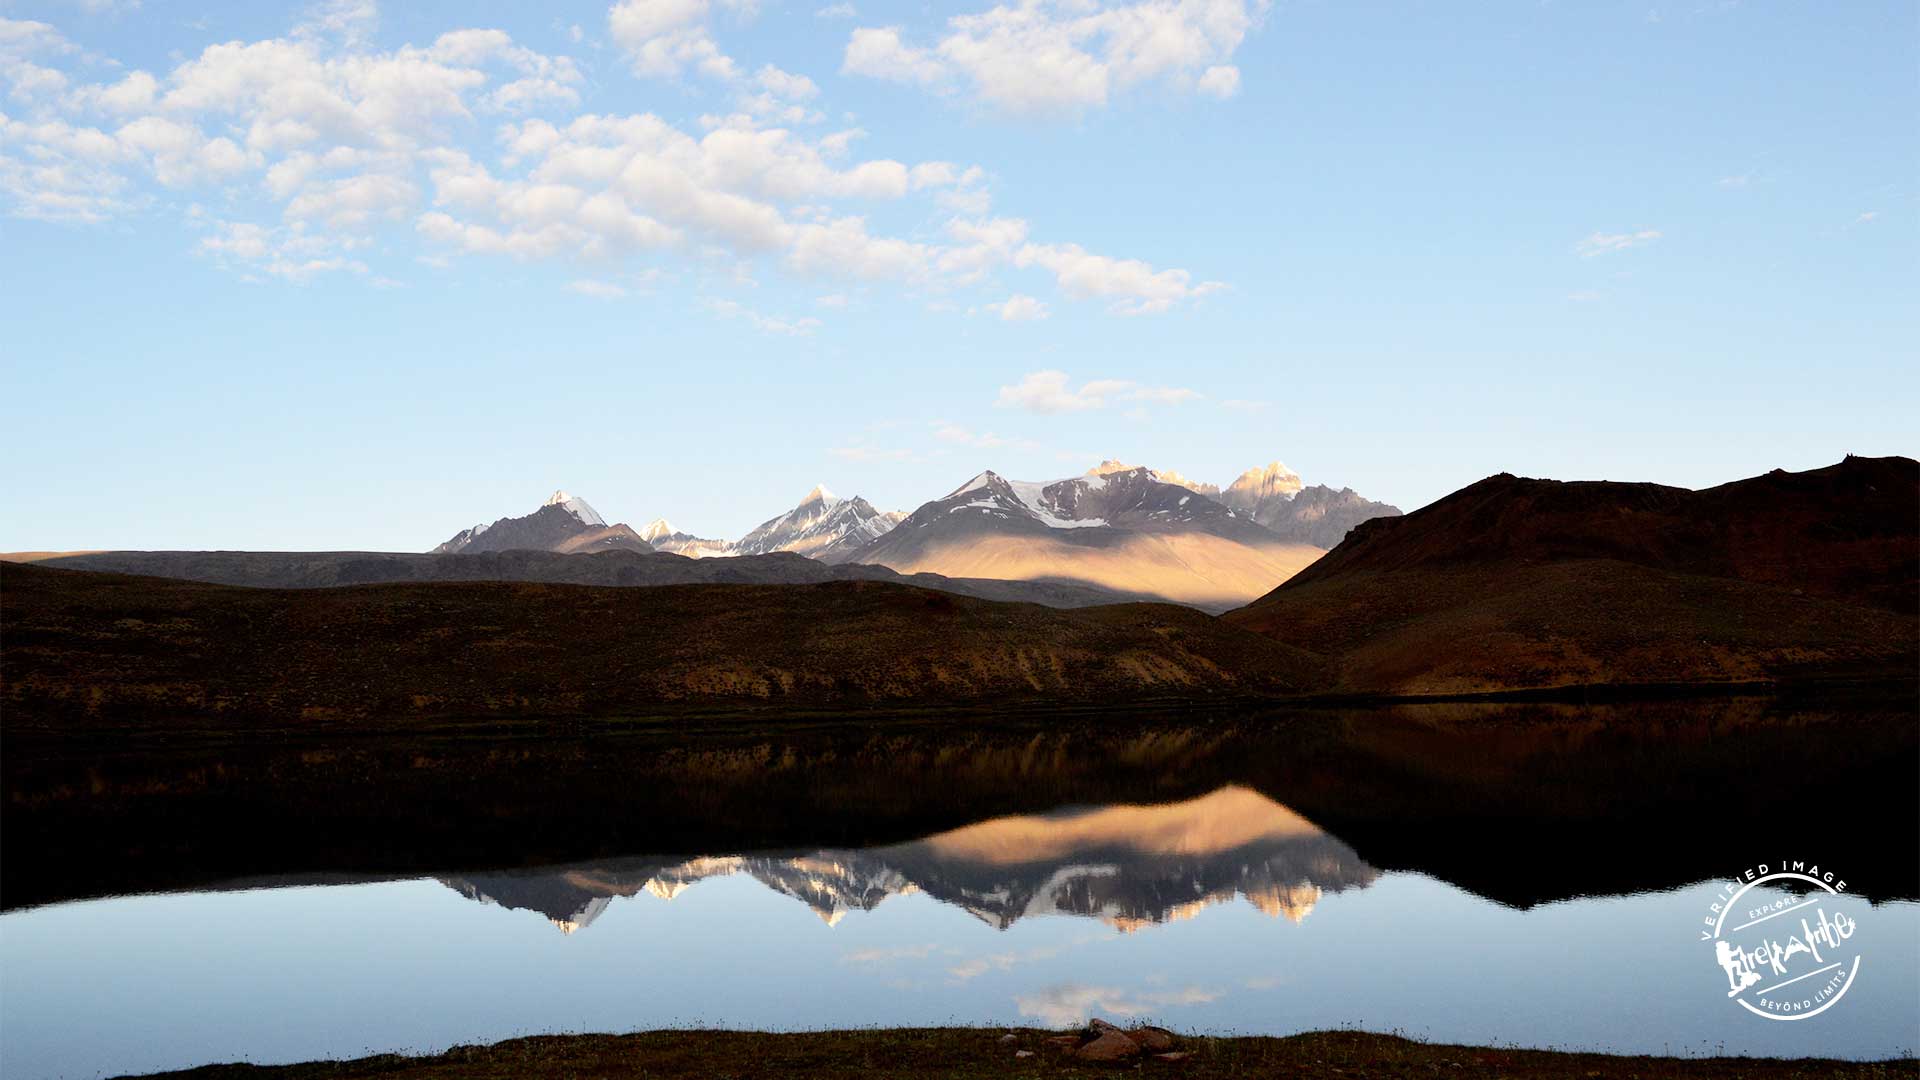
[(1225, 910)]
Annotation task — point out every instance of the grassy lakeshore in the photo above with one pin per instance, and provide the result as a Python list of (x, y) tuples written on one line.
[(976, 1052)]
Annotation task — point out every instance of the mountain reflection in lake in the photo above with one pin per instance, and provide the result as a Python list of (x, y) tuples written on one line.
[(1128, 866), (1515, 875)]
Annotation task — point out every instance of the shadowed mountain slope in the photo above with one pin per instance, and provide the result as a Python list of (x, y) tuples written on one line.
[(1515, 583), (88, 648), (325, 569), (1125, 529), (1274, 496), (823, 526), (564, 523)]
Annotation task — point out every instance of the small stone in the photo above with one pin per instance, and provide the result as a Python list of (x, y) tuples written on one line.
[(1110, 1046), (1022, 1053), (1152, 1039), (1096, 1025), (1009, 1037), (1174, 1056)]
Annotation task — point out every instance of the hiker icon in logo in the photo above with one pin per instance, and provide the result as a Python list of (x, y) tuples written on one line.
[(1793, 943)]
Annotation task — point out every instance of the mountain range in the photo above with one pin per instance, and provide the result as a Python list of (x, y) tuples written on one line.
[(1128, 531), (1509, 584), (824, 527), (1122, 529)]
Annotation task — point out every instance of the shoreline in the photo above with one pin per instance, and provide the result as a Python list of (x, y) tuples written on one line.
[(1025, 1052), (733, 719)]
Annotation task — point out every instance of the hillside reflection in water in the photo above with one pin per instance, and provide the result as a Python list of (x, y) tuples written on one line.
[(1527, 875), (1126, 912)]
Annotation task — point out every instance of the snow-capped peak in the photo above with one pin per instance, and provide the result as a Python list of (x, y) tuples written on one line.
[(1165, 476), (656, 529), (979, 481), (1273, 479), (823, 526), (577, 507)]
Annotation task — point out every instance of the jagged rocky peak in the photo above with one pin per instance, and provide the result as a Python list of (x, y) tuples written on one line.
[(577, 507), (657, 529), (822, 526), (1319, 515), (1254, 486), (1165, 476), (565, 523)]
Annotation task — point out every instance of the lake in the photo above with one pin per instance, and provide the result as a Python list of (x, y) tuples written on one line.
[(1531, 875)]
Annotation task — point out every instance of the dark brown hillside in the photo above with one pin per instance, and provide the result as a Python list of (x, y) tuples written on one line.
[(1514, 584), (90, 649), (1850, 531)]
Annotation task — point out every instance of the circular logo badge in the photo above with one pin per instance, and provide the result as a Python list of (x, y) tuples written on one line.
[(1780, 935)]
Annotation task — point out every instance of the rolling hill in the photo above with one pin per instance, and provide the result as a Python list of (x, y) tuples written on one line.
[(1517, 583), (619, 566), (89, 649)]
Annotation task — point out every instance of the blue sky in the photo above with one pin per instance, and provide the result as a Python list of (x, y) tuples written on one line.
[(359, 275)]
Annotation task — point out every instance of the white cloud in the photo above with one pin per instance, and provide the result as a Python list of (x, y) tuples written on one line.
[(785, 84), (97, 7), (354, 201), (1135, 287), (872, 453), (844, 247), (1071, 1005), (1604, 243), (836, 11), (1221, 81), (836, 144), (25, 79), (948, 432), (290, 252), (21, 37), (351, 21), (1161, 395), (880, 53), (1019, 308), (1054, 56), (766, 324), (348, 142), (1050, 392), (1046, 392), (599, 290), (664, 38)]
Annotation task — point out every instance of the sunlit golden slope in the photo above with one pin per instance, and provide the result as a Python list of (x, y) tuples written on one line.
[(1229, 818), (1195, 568)]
